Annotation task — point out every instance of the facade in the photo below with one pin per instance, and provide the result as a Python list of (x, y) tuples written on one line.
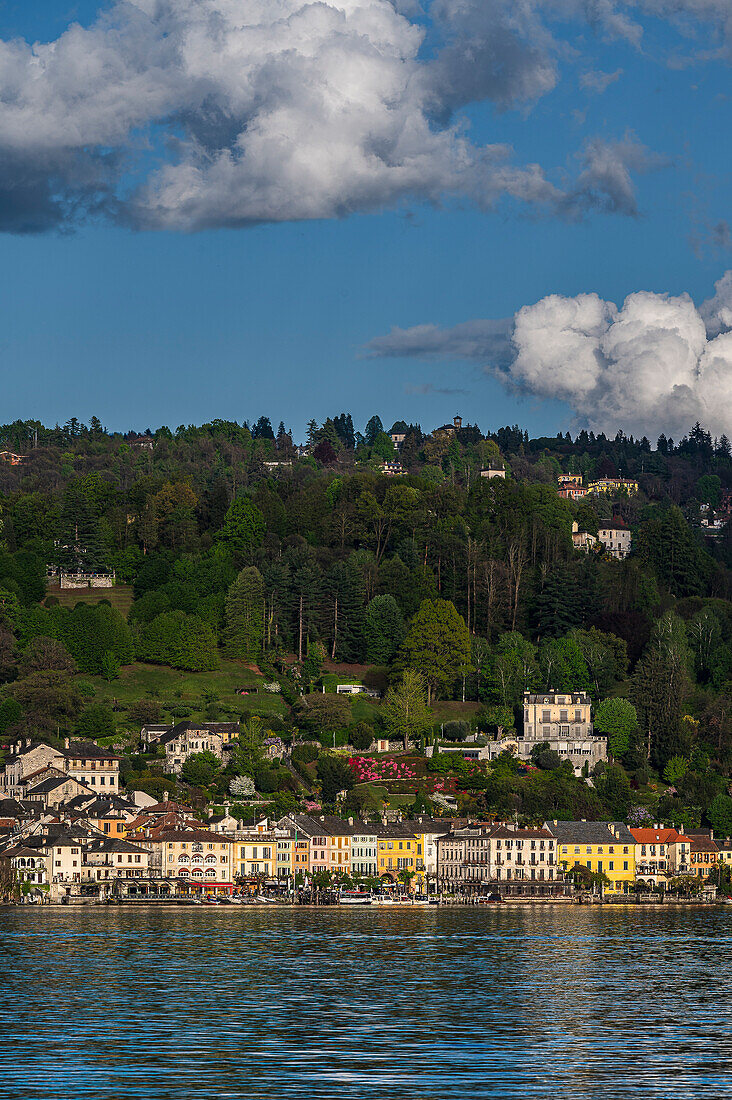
[(255, 856), (392, 469), (570, 487), (218, 733), (563, 721), (602, 847), (613, 485), (703, 853), (582, 540), (364, 851), (95, 768), (479, 858), (396, 851), (196, 857), (660, 854), (615, 538), (186, 739), (494, 471)]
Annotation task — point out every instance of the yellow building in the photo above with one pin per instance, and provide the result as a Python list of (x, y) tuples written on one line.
[(613, 485), (196, 856), (396, 851), (603, 847), (255, 856)]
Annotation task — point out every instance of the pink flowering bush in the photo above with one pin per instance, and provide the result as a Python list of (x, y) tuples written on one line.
[(367, 770)]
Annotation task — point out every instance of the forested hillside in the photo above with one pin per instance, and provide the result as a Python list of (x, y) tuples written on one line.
[(242, 560)]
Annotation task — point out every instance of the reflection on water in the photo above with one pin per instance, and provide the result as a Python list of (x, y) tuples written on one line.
[(166, 1004)]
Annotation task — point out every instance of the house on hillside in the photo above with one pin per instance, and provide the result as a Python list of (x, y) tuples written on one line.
[(615, 537)]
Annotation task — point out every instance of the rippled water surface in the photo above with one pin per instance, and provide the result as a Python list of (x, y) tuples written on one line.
[(172, 1003)]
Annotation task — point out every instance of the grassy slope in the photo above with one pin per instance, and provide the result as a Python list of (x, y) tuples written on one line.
[(170, 687), (120, 596)]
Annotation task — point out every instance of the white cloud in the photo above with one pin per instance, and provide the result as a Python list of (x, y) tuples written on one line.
[(598, 81), (188, 114), (652, 365)]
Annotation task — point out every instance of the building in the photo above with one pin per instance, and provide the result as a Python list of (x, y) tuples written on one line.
[(703, 853), (427, 832), (392, 469), (582, 540), (153, 735), (570, 487), (613, 485), (615, 538), (329, 841), (564, 722), (603, 847), (254, 857), (198, 858), (188, 738), (55, 790), (396, 852), (493, 471), (485, 858), (364, 851), (12, 458), (95, 768), (661, 852)]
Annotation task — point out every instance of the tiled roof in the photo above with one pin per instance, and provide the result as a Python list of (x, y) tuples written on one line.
[(590, 832)]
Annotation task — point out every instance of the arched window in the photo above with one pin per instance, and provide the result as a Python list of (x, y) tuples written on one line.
[(210, 859), (183, 859), (184, 872), (197, 873), (210, 872), (197, 847)]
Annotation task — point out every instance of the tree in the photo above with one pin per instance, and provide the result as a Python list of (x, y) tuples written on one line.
[(719, 814), (46, 655), (334, 776), (195, 647), (676, 769), (50, 700), (438, 646), (373, 428), (242, 786), (617, 719), (96, 721), (200, 769), (405, 710), (658, 688), (385, 630), (248, 753), (613, 787), (544, 757), (145, 712), (245, 611), (324, 712), (243, 529)]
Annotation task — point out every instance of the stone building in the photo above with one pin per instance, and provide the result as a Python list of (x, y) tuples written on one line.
[(563, 720)]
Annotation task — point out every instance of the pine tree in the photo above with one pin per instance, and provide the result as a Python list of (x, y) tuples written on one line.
[(245, 616)]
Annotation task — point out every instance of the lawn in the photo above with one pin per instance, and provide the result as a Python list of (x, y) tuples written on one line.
[(120, 596), (170, 687)]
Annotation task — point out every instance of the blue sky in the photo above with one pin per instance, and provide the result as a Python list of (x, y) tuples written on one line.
[(143, 319)]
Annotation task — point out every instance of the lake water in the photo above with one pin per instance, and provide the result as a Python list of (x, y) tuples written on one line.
[(174, 1003)]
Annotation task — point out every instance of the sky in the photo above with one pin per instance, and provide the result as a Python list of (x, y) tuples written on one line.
[(514, 210)]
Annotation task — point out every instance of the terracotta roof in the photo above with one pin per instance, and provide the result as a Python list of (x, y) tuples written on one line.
[(663, 835)]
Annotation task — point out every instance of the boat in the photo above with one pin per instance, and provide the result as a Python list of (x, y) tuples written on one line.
[(354, 897)]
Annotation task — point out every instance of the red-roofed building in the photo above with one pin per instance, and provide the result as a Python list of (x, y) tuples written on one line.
[(661, 852)]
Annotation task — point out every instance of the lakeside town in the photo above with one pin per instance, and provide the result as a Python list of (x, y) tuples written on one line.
[(388, 665), (69, 835)]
